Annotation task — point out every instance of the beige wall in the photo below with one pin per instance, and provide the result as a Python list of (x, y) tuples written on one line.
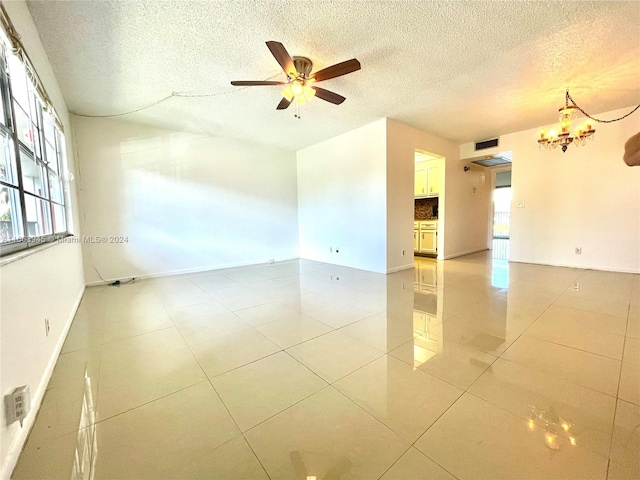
[(342, 199), (184, 202), (463, 214), (586, 197), (48, 283)]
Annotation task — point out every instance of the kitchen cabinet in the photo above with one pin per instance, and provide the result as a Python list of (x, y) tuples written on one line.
[(428, 241), (420, 180), (427, 233), (427, 179), (433, 180)]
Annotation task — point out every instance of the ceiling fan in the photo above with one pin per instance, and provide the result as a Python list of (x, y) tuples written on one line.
[(300, 80)]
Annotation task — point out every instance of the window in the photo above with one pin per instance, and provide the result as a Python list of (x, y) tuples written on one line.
[(32, 163)]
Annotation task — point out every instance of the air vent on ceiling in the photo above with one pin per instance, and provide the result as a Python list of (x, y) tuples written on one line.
[(487, 144), (490, 160)]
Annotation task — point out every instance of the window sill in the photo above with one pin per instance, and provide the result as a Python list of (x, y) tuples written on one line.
[(20, 254)]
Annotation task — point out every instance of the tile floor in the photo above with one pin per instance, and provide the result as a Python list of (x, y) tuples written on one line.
[(472, 368)]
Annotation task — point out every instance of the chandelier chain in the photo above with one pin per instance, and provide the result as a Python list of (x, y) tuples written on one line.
[(568, 97)]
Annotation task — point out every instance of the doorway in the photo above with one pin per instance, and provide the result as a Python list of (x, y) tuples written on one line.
[(501, 226), (428, 185)]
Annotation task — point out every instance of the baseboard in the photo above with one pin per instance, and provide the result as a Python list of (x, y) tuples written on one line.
[(400, 268), (581, 267), (185, 271), (462, 254), (13, 454), (382, 271)]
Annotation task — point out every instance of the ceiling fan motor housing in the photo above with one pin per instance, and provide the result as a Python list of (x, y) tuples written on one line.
[(303, 66)]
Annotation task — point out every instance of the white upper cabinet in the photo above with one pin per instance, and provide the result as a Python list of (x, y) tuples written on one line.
[(420, 180), (428, 178), (433, 180)]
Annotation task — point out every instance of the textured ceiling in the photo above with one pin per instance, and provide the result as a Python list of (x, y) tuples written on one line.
[(465, 70)]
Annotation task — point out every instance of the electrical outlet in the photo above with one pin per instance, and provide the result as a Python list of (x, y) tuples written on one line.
[(578, 250), (337, 250), (330, 249), (271, 261), (520, 204), (46, 326), (403, 253), (17, 404)]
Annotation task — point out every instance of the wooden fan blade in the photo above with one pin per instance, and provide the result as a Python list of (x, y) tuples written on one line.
[(284, 103), (282, 56), (253, 83), (328, 96), (336, 70)]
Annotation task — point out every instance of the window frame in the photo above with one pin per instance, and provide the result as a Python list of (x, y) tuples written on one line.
[(53, 169)]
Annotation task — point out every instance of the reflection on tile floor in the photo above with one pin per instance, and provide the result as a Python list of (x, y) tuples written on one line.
[(468, 368)]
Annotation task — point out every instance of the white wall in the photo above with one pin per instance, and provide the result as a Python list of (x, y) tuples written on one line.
[(48, 283), (342, 199), (586, 197), (400, 195), (185, 202), (462, 214)]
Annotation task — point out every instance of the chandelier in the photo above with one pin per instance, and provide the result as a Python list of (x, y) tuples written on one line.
[(564, 138), (580, 136)]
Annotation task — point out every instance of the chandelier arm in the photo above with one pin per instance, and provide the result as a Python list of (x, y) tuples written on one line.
[(597, 119)]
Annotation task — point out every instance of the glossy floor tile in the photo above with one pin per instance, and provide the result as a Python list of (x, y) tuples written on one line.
[(493, 443), (577, 366), (287, 333), (452, 362), (232, 351), (584, 415), (588, 331), (233, 459), (326, 436), (467, 368), (406, 400), (417, 466), (261, 389), (144, 368), (625, 445), (334, 355)]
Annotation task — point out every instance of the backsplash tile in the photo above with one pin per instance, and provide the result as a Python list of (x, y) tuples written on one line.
[(424, 208)]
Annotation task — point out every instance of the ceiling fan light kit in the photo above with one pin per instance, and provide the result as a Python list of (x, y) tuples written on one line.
[(299, 87)]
